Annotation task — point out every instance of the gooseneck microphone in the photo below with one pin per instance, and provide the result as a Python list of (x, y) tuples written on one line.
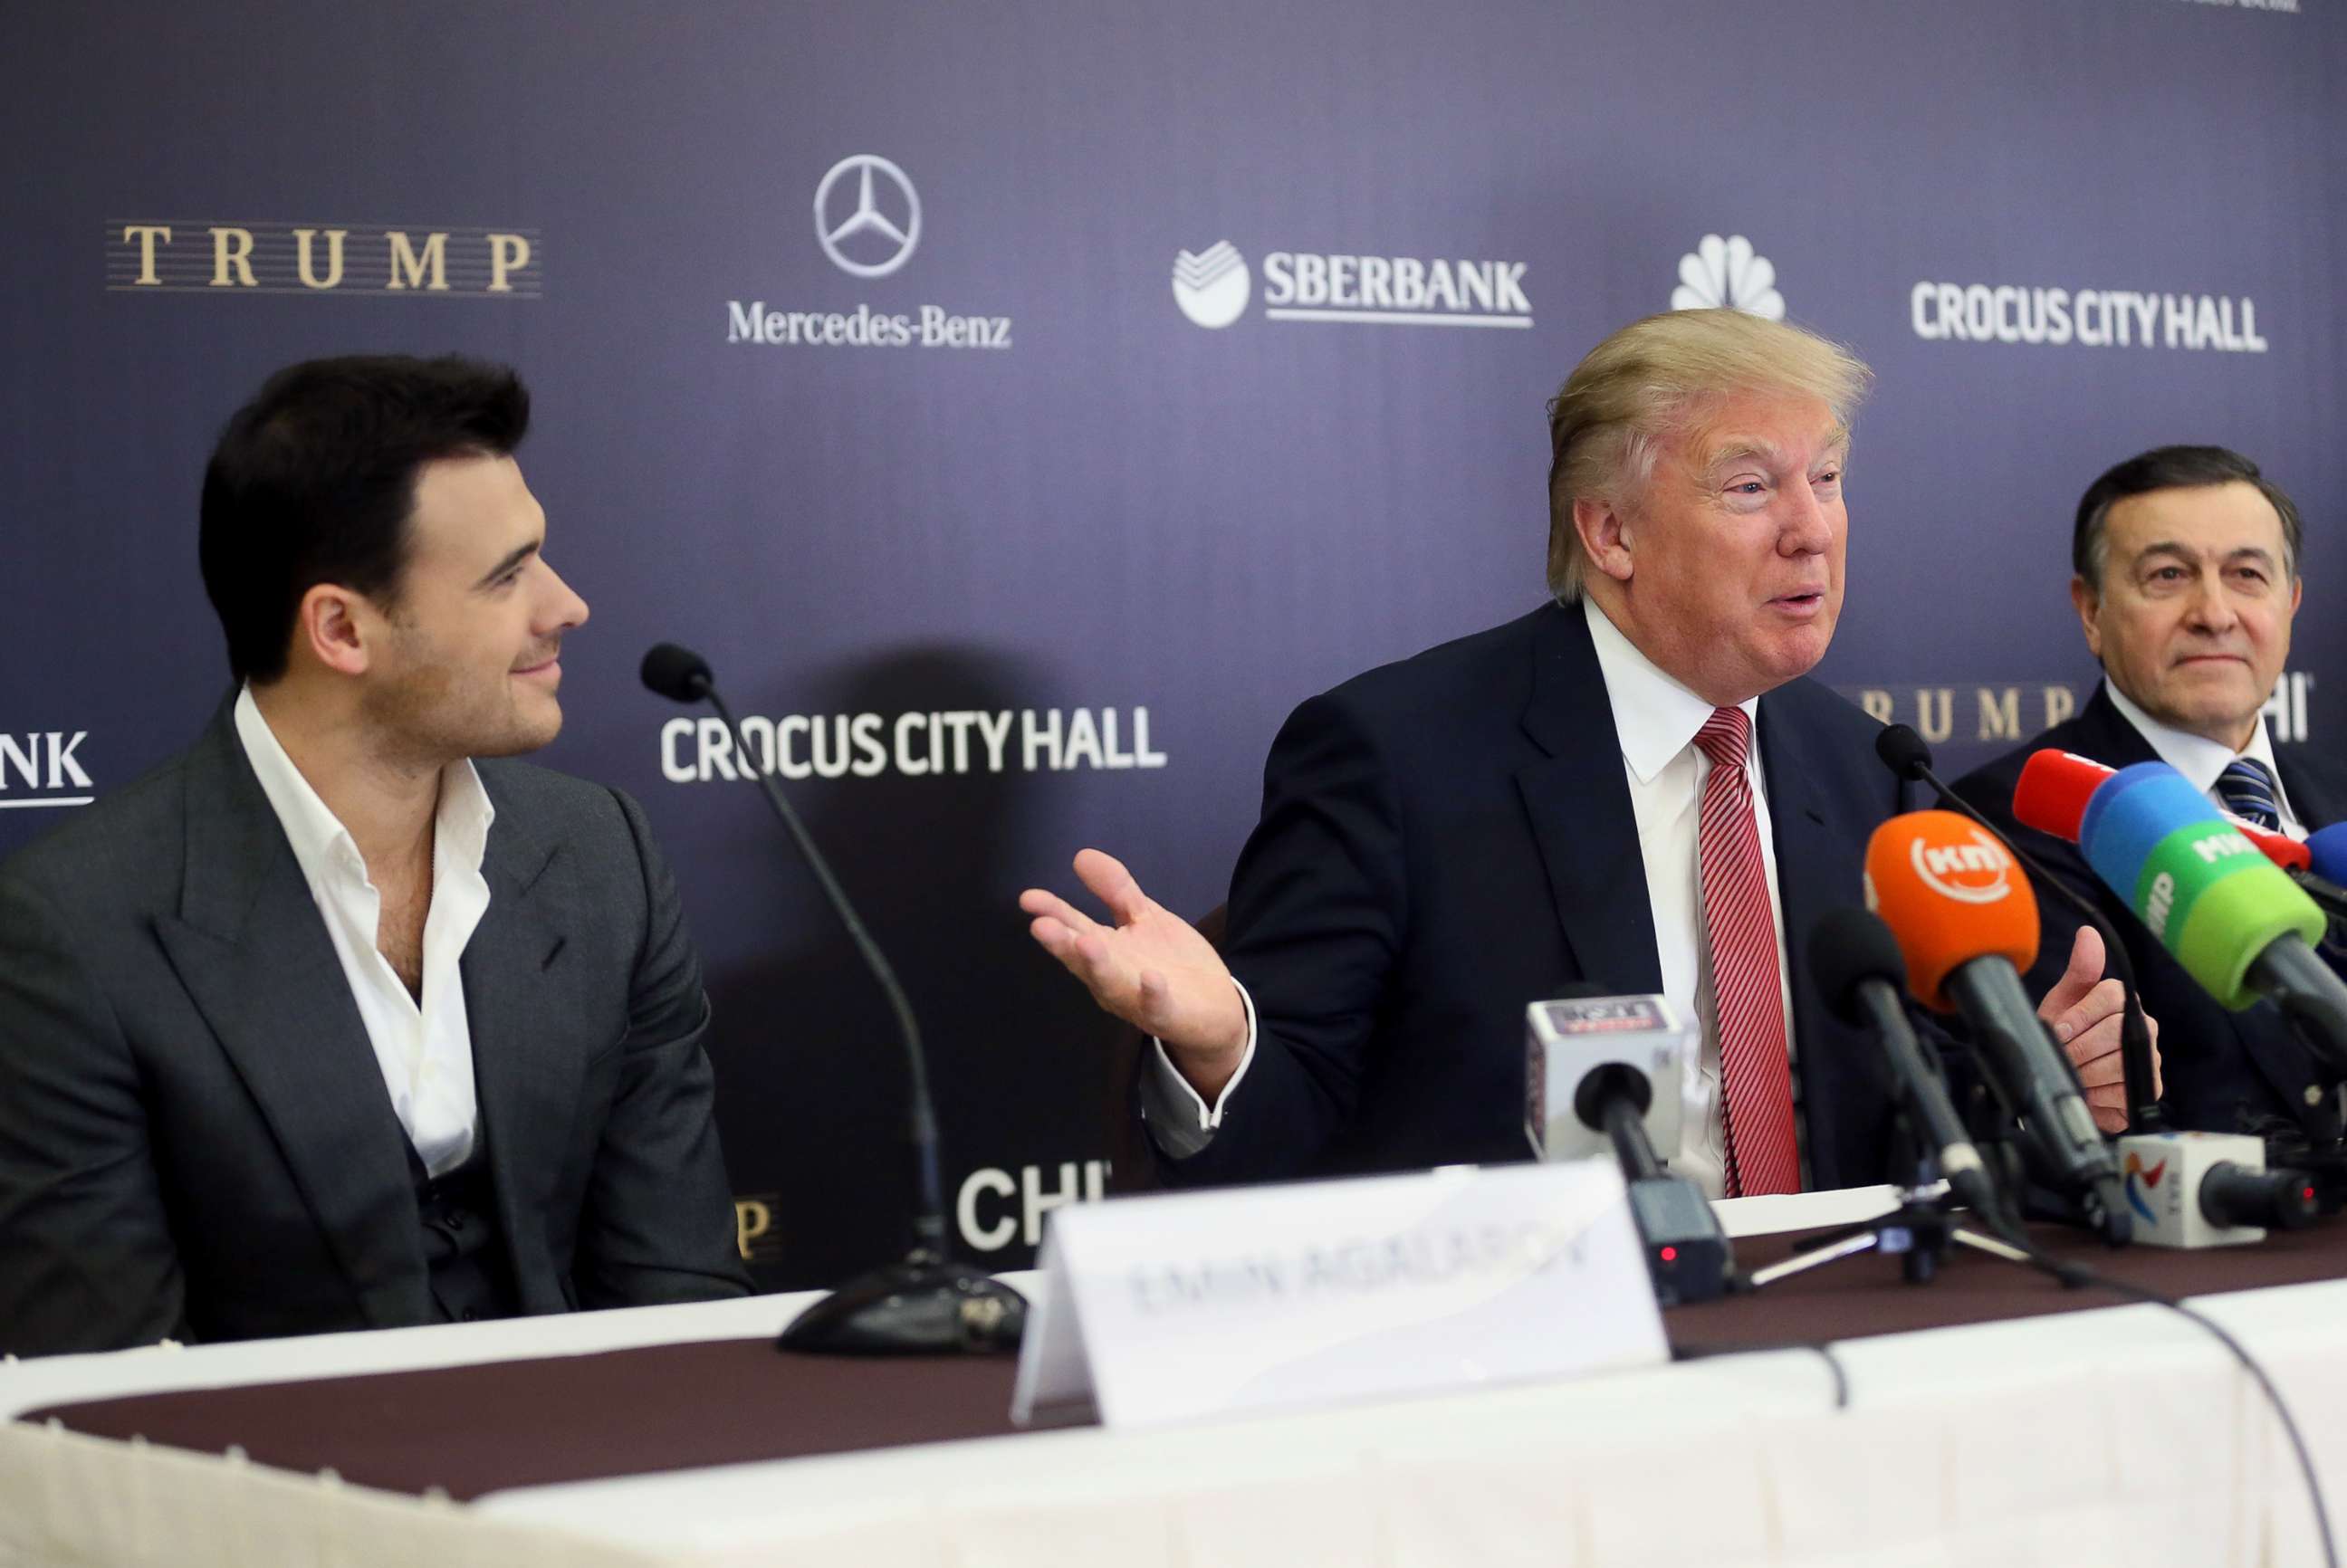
[(1862, 976), (926, 1303), (1966, 923), (1904, 752)]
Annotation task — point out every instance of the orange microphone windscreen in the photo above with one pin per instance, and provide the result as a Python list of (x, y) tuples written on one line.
[(1951, 893), (2052, 791)]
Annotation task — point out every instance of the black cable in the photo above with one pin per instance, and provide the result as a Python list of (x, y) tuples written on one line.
[(2075, 1275), (1820, 1346)]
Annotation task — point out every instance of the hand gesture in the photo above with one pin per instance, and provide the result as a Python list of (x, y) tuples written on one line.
[(2085, 1011), (1150, 967)]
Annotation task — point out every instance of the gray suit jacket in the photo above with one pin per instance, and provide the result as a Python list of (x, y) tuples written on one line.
[(194, 1136)]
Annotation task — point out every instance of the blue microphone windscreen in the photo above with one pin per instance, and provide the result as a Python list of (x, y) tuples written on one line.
[(2329, 847), (2128, 817)]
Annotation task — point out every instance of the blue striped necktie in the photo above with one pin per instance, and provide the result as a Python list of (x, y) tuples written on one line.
[(2247, 791)]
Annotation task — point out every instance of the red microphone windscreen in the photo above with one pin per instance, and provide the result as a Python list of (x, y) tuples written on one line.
[(1951, 893), (2283, 851), (2054, 790)]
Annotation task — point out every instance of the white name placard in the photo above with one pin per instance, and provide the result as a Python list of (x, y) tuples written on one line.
[(1172, 1307)]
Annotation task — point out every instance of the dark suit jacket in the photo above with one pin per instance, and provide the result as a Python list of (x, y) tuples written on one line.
[(2223, 1070), (194, 1136), (1447, 839)]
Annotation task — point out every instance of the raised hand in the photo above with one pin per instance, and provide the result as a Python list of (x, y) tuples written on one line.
[(1149, 968), (2085, 1011)]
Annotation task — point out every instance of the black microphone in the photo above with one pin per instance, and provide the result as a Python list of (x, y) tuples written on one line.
[(1597, 1043), (1964, 915), (1687, 1254), (927, 1303), (1862, 976), (1906, 754)]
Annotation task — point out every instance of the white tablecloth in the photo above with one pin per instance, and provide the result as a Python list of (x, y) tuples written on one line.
[(2117, 1435)]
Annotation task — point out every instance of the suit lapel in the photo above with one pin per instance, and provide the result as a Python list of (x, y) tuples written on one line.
[(251, 947), (526, 1079), (1817, 866), (1578, 802), (1820, 856), (2104, 734), (2317, 795)]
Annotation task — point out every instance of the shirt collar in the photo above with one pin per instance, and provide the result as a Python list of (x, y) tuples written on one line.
[(320, 841), (2196, 757), (1655, 717)]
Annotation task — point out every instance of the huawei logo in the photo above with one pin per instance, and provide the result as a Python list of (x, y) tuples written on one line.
[(877, 235), (1727, 273)]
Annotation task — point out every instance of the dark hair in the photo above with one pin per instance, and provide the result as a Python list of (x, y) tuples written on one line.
[(2170, 468), (313, 481)]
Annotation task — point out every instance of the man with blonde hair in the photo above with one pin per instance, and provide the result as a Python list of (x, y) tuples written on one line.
[(1633, 787)]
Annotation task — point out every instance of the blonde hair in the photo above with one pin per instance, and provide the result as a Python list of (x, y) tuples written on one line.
[(1607, 423)]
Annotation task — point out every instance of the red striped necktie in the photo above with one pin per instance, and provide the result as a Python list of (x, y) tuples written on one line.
[(1754, 1067)]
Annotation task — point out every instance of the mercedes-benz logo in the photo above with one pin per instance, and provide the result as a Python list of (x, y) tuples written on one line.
[(867, 217)]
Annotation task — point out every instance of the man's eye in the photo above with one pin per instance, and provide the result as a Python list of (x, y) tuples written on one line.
[(1748, 487)]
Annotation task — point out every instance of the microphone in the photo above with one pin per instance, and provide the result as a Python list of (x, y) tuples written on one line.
[(2054, 787), (1966, 923), (1904, 752), (1861, 974), (2231, 917), (2327, 848), (1591, 1067), (927, 1303), (2325, 878), (2192, 1190)]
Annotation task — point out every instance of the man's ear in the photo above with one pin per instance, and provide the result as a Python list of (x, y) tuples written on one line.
[(337, 626), (2089, 604), (1604, 534)]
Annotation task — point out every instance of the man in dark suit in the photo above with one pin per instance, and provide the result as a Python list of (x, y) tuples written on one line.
[(325, 1024), (2185, 578), (1632, 786)]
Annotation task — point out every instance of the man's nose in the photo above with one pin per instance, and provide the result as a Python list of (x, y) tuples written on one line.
[(564, 608), (2211, 609), (1804, 523)]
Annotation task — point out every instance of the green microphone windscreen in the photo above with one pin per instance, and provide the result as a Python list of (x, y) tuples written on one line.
[(2207, 893)]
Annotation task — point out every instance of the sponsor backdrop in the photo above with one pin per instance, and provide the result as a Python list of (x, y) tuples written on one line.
[(1024, 406)]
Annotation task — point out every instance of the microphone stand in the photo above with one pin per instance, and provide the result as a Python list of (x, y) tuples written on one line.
[(926, 1303), (1918, 1233)]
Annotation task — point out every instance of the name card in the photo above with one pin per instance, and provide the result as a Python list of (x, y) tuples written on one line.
[(1175, 1308)]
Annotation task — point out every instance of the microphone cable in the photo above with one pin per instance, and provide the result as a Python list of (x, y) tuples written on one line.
[(2076, 1276)]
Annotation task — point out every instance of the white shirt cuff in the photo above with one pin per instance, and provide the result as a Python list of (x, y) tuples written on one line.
[(1179, 1121)]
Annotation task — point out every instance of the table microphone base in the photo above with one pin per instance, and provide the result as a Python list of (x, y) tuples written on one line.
[(924, 1306), (1918, 1233)]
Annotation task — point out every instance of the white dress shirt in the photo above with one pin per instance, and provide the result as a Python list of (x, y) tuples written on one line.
[(424, 1052), (2200, 759), (1654, 720)]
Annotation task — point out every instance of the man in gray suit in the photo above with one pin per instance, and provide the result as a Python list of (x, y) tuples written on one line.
[(331, 1022)]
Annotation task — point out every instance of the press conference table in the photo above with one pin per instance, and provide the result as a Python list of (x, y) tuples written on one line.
[(2088, 1435)]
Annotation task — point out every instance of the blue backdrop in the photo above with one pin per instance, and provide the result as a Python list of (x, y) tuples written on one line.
[(1025, 406)]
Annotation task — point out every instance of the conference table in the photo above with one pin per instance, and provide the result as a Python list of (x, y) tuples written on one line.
[(1841, 1418)]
